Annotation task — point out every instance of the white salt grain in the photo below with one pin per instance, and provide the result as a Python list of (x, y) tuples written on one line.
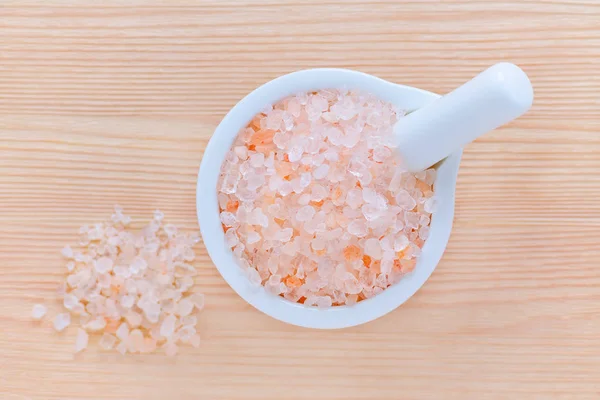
[(195, 341), (38, 312), (70, 301), (185, 307), (122, 348), (81, 342), (123, 332), (431, 205), (96, 324), (103, 265), (67, 252), (305, 213), (168, 326), (170, 349), (70, 266), (107, 341), (61, 321)]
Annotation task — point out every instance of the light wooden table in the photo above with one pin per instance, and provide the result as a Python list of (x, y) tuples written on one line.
[(113, 101)]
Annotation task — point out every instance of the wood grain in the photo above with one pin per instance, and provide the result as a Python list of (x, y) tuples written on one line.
[(114, 101)]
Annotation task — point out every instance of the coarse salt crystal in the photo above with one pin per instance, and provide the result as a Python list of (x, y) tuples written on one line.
[(67, 252), (39, 311), (81, 342), (61, 321)]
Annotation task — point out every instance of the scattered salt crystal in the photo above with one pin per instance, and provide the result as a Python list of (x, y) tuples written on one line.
[(38, 311), (198, 300), (168, 326), (185, 307), (195, 340), (133, 319), (70, 266), (107, 341), (127, 301), (70, 301), (96, 324), (61, 321), (82, 340), (158, 215), (67, 252), (122, 348), (170, 349), (103, 265), (122, 332)]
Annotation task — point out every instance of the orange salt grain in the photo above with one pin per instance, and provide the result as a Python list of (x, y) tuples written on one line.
[(317, 203), (255, 123), (292, 281), (422, 186), (366, 260), (279, 221), (352, 252), (232, 206)]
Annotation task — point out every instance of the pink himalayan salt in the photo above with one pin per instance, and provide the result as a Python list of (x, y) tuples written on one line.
[(132, 288), (316, 205)]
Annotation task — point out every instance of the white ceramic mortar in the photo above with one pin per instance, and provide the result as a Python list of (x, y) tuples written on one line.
[(436, 131)]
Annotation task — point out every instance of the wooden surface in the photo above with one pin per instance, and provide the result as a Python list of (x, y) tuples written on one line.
[(112, 101)]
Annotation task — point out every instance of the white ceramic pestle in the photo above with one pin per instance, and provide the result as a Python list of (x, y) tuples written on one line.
[(496, 96), (435, 131)]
